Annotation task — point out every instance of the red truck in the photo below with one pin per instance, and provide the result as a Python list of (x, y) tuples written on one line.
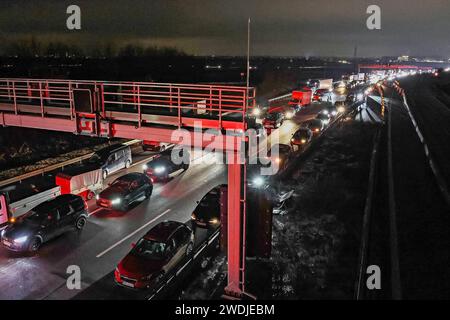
[(301, 98)]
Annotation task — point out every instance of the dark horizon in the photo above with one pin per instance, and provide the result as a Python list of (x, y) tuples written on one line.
[(289, 29)]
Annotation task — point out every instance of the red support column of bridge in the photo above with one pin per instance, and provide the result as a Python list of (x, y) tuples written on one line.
[(235, 287)]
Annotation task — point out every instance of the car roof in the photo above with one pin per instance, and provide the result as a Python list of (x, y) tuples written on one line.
[(58, 201), (162, 231), (131, 176), (315, 122)]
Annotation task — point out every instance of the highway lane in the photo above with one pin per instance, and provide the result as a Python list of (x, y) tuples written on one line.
[(422, 216), (107, 237), (44, 275)]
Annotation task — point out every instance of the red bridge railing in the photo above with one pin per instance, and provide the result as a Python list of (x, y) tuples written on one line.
[(140, 102)]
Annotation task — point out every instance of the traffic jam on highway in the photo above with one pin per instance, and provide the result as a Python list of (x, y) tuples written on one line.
[(153, 216), (129, 182)]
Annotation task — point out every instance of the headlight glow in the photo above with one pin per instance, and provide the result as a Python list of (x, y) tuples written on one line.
[(144, 167), (97, 197), (325, 111), (214, 221), (21, 239), (258, 181), (289, 115), (160, 170), (116, 201), (303, 141), (256, 112), (341, 109), (193, 216)]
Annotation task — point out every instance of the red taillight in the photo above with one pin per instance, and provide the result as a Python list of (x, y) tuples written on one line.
[(117, 275)]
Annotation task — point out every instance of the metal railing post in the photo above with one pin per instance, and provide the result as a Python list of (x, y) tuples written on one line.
[(42, 101), (179, 108), (15, 97), (139, 105)]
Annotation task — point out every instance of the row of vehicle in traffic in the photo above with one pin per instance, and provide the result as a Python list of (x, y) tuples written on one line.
[(167, 244), (32, 214)]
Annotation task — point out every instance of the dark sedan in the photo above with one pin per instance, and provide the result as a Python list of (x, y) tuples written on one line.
[(156, 254), (207, 213), (45, 222), (165, 165), (301, 137), (331, 110), (322, 95), (324, 117), (316, 126), (273, 120), (124, 191)]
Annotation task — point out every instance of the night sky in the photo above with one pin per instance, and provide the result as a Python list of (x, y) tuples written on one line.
[(218, 27)]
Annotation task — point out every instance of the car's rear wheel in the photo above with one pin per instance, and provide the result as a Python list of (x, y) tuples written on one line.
[(189, 249), (80, 223), (158, 278), (35, 244), (148, 193), (90, 195)]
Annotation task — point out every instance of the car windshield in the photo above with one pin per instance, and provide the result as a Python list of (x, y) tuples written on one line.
[(96, 158), (272, 116), (35, 217), (315, 123), (150, 249), (301, 133)]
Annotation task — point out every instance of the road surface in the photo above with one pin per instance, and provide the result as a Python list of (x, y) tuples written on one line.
[(108, 236)]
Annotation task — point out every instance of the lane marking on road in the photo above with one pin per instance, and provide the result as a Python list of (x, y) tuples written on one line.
[(95, 211), (131, 234)]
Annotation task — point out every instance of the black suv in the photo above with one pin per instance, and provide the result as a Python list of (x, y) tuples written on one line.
[(163, 167), (45, 222), (124, 191)]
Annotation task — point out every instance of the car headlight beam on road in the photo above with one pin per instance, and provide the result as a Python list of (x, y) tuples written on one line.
[(214, 221), (258, 182), (159, 170), (289, 115), (116, 201), (256, 112), (21, 240)]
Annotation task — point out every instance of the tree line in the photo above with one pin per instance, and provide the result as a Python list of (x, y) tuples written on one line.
[(57, 49)]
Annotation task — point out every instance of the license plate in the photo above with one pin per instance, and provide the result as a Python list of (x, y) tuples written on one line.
[(127, 284), (7, 243)]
